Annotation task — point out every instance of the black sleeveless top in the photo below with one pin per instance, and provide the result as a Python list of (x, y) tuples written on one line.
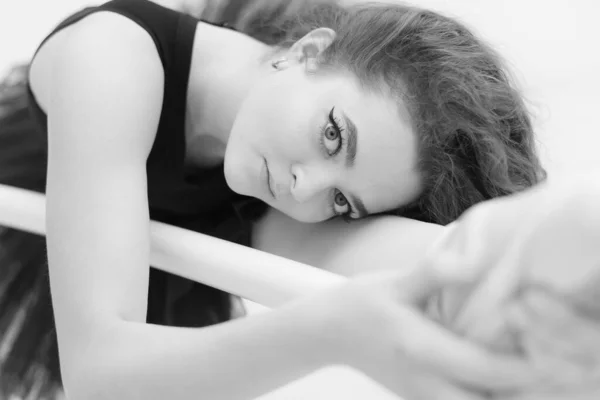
[(199, 200)]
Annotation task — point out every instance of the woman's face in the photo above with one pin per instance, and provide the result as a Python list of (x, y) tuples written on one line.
[(317, 145)]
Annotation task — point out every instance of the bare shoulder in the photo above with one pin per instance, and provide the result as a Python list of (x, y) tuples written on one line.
[(101, 35)]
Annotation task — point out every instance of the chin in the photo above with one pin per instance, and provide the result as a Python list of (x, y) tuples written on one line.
[(238, 185), (233, 178)]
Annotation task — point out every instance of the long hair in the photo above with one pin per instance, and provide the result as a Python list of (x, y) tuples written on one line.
[(475, 135)]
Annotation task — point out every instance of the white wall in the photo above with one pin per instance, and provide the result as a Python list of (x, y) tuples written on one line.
[(553, 45)]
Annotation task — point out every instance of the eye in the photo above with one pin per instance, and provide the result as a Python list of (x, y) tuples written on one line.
[(331, 136), (332, 140), (341, 206)]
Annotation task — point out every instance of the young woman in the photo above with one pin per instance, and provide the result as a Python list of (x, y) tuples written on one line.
[(147, 113)]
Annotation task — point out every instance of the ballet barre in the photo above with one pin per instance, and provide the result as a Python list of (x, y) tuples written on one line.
[(249, 273)]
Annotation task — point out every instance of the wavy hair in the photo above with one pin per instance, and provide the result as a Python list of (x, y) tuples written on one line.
[(475, 135)]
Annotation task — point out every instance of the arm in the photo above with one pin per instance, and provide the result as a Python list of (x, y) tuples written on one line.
[(97, 232), (368, 245)]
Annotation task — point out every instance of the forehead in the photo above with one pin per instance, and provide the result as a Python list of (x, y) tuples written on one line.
[(385, 173)]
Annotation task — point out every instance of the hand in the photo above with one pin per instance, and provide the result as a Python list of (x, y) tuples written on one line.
[(379, 328), (562, 341), (591, 392), (555, 336)]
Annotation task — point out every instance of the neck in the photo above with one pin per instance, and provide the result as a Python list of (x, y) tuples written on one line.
[(225, 65)]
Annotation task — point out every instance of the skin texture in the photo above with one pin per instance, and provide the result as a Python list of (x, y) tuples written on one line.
[(289, 121)]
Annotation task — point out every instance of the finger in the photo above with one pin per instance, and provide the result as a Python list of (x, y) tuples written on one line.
[(492, 330), (439, 350), (432, 387), (559, 325), (557, 360), (561, 371), (587, 393), (545, 305), (561, 356), (542, 344), (417, 384), (415, 286), (450, 267)]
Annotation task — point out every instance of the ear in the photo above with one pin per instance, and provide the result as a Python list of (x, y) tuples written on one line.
[(308, 49)]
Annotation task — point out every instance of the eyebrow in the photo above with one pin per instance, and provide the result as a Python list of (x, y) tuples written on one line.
[(352, 141), (351, 147)]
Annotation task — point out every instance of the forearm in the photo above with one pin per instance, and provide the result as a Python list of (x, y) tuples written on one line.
[(381, 243), (368, 245), (240, 359)]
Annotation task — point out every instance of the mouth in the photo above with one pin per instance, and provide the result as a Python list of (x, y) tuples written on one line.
[(268, 179)]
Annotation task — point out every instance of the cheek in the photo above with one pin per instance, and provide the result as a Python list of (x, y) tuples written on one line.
[(268, 124), (287, 121), (298, 142)]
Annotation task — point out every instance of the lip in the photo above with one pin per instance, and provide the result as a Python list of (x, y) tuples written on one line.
[(268, 178)]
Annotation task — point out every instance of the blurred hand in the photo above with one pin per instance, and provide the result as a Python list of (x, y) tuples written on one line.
[(556, 337), (536, 259), (382, 331)]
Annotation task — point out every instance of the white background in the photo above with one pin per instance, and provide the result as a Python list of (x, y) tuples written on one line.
[(551, 45)]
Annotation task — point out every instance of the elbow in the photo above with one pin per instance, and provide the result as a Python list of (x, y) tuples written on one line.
[(91, 365), (96, 378), (84, 384)]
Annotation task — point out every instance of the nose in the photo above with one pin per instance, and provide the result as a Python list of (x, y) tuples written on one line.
[(307, 183)]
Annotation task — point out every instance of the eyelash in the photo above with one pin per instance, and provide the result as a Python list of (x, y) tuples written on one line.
[(334, 121), (346, 217)]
